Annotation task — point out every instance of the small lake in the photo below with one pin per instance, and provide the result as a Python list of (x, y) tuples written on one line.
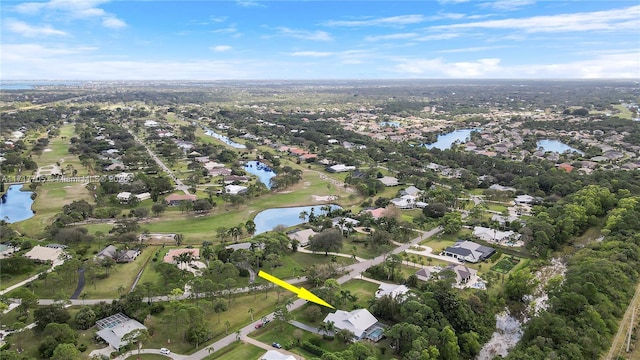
[(224, 139), (15, 205), (261, 170), (266, 220), (556, 146), (445, 141)]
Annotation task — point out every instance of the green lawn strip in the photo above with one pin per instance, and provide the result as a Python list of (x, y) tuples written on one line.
[(7, 320), (148, 357), (426, 260), (300, 261), (10, 280), (505, 264), (237, 350), (286, 333), (48, 203), (365, 252), (60, 151), (624, 112), (495, 207), (438, 244), (363, 290), (168, 326), (121, 274)]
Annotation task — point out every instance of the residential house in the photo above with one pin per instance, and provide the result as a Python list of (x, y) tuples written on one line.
[(233, 178), (566, 167), (405, 202), (235, 189), (375, 213), (340, 168), (423, 274), (493, 235), (525, 199), (462, 273), (276, 355), (143, 196), (124, 197), (389, 181), (393, 290), (347, 220), (504, 220), (468, 251), (357, 321), (411, 190), (177, 199), (120, 256), (195, 253), (114, 328)]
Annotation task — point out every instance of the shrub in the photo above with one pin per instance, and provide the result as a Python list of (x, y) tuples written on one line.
[(82, 347), (328, 337), (315, 341), (315, 350)]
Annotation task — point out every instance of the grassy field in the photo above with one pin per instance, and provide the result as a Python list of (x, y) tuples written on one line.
[(287, 333), (624, 112), (10, 280), (363, 290), (148, 357), (237, 350), (505, 264), (51, 197)]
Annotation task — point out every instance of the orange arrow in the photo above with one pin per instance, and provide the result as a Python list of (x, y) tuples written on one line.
[(301, 292)]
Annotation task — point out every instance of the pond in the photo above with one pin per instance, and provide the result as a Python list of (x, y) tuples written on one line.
[(261, 170), (445, 141), (224, 139), (268, 219), (15, 205), (556, 146)]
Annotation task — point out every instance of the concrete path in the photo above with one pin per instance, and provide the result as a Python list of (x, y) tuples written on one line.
[(150, 351), (80, 284), (305, 327), (303, 250), (264, 346)]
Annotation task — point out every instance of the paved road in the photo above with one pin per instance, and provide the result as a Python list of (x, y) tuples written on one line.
[(306, 327), (353, 272), (80, 284), (34, 277), (179, 184)]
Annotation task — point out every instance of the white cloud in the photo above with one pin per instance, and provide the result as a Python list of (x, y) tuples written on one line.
[(305, 34), (385, 21), (471, 49), (27, 30), (620, 65), (608, 20), (113, 23), (218, 19), (221, 48), (507, 5), (434, 37), (74, 9), (398, 36), (249, 3), (311, 53), (444, 2)]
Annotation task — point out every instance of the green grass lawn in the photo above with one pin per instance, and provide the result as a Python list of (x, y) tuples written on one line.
[(299, 261), (287, 333), (624, 112), (505, 264), (363, 290), (148, 357), (495, 207), (10, 280), (168, 326), (237, 350), (51, 197)]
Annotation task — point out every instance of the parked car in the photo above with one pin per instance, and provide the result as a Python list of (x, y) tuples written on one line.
[(259, 325), (165, 351), (276, 345)]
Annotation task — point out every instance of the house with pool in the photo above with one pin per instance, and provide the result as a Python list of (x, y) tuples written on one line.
[(360, 322)]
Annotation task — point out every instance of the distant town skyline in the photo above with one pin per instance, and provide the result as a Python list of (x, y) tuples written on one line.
[(298, 40)]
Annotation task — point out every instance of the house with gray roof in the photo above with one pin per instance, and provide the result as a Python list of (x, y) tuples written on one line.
[(357, 321), (468, 251), (114, 328)]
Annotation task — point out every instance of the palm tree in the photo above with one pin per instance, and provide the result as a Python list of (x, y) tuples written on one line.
[(83, 296), (226, 327), (251, 311), (179, 238), (120, 289), (250, 226), (207, 253), (303, 215), (327, 327)]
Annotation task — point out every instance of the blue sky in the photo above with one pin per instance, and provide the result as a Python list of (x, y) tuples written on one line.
[(210, 40)]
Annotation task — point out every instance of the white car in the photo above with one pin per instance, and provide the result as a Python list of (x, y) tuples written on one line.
[(165, 351)]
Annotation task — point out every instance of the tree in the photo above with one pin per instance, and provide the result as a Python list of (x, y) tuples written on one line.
[(66, 352), (327, 240), (250, 226), (226, 327), (451, 222), (45, 315), (449, 348), (139, 336), (251, 311), (158, 208), (327, 327), (107, 263), (178, 238), (28, 300), (345, 335), (85, 318)]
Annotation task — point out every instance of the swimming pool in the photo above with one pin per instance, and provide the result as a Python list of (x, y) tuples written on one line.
[(376, 334)]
